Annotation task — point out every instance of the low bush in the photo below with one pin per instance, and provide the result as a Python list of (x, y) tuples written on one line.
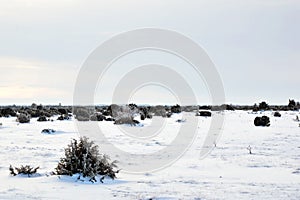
[(26, 170), (204, 114), (263, 106), (124, 115), (109, 119), (82, 114), (7, 112), (82, 157), (169, 114), (159, 111), (97, 117), (23, 118), (48, 131), (63, 117), (176, 109), (126, 119), (262, 121), (292, 103), (277, 114), (42, 119), (142, 116)]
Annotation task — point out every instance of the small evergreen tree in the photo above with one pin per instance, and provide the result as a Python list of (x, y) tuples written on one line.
[(176, 109), (292, 103), (82, 157), (263, 106)]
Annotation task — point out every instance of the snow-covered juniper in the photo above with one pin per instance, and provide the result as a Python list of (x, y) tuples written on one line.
[(82, 157)]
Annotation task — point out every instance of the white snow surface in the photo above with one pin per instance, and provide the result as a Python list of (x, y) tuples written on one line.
[(272, 171)]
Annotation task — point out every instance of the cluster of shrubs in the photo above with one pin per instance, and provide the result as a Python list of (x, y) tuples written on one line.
[(7, 112), (43, 113), (203, 113), (123, 114), (36, 111), (291, 106), (126, 114)]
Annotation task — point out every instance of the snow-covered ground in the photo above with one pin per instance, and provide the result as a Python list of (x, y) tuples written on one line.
[(272, 171)]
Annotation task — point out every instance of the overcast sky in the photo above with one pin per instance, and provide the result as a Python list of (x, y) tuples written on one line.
[(254, 44)]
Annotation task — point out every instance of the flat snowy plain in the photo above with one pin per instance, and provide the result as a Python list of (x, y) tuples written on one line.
[(272, 171)]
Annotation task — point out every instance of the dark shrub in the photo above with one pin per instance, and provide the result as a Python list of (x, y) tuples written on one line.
[(149, 116), (204, 107), (145, 112), (255, 108), (97, 117), (82, 157), (204, 114), (262, 121), (100, 117), (133, 106), (292, 103), (35, 113), (63, 117), (42, 119), (33, 105), (7, 112), (229, 107), (263, 106), (257, 121), (48, 131), (106, 113), (169, 114), (40, 107), (26, 170), (277, 114), (176, 109), (109, 119), (142, 116), (23, 118), (62, 111)]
